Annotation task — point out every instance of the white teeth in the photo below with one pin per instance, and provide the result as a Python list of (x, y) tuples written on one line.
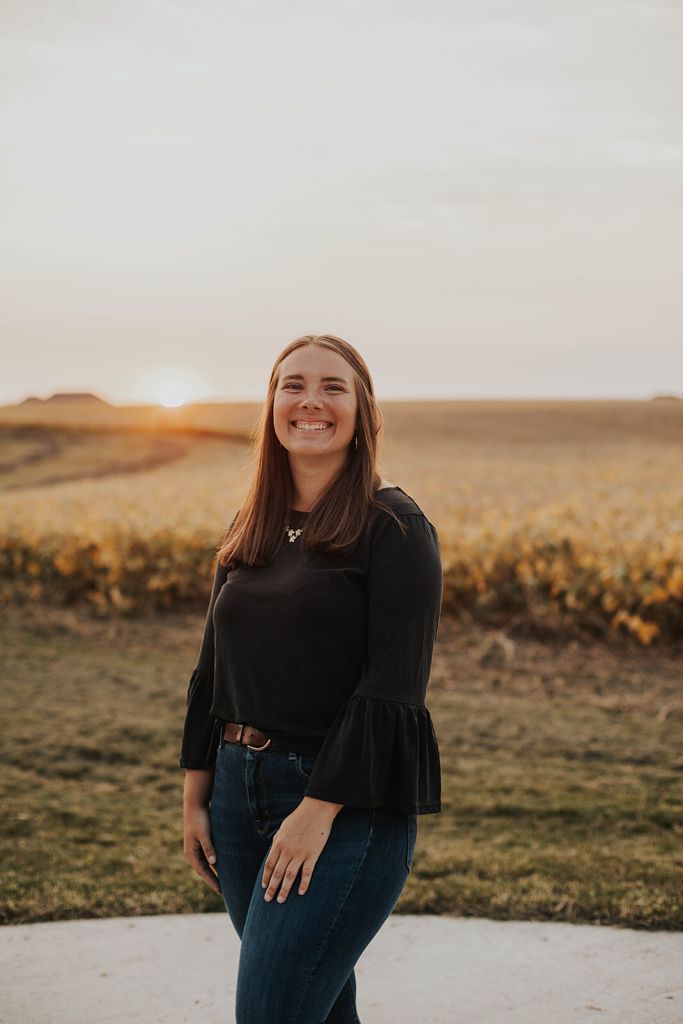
[(311, 426)]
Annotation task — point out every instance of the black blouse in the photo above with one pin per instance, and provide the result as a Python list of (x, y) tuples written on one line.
[(330, 656)]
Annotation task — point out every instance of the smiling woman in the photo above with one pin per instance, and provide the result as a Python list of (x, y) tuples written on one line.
[(306, 729), (314, 416)]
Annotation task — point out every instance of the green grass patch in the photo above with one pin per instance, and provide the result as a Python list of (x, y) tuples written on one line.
[(562, 776)]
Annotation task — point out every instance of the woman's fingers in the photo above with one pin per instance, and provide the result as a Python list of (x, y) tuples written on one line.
[(271, 861), (209, 853), (198, 844), (206, 874), (281, 873), (285, 871), (296, 845), (306, 872), (199, 862), (272, 873)]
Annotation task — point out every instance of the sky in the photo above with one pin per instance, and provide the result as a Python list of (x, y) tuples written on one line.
[(483, 197)]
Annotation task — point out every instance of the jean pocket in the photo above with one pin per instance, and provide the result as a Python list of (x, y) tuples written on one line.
[(411, 839), (304, 764)]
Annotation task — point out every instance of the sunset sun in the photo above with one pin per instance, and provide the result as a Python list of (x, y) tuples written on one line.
[(171, 387), (172, 398)]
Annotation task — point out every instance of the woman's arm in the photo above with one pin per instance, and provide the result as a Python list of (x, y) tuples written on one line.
[(198, 752), (381, 747), (198, 786), (201, 729)]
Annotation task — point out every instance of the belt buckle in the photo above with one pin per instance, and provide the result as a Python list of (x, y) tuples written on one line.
[(239, 740), (260, 748)]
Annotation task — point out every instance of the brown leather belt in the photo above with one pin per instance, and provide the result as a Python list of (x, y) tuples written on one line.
[(247, 735)]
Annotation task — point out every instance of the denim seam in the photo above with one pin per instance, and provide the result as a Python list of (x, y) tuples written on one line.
[(245, 765), (348, 984), (299, 769), (319, 957), (410, 860)]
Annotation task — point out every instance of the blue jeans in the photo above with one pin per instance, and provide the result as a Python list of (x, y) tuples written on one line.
[(297, 958)]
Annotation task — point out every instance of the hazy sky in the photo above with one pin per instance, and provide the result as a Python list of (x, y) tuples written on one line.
[(484, 197)]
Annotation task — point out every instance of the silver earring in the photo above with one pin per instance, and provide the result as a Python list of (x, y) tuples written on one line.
[(356, 438)]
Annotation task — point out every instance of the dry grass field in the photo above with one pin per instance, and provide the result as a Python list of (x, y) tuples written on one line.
[(556, 692), (554, 517), (562, 775)]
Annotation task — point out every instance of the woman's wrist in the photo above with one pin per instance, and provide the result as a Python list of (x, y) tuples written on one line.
[(198, 786), (324, 807)]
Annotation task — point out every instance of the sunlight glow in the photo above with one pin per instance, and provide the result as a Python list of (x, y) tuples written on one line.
[(170, 386), (172, 398)]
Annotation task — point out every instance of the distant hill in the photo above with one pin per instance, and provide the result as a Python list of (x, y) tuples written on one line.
[(67, 396)]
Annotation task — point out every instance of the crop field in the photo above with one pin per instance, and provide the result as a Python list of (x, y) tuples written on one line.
[(557, 518)]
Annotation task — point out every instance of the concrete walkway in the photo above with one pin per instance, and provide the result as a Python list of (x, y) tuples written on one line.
[(181, 969)]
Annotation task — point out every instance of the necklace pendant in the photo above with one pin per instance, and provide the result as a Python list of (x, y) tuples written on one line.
[(293, 534)]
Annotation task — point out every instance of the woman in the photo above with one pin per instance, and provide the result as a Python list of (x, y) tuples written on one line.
[(308, 748)]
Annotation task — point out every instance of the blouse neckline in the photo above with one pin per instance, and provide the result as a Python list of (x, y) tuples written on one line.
[(301, 512)]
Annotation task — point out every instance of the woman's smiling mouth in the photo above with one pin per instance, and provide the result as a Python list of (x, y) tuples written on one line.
[(309, 426)]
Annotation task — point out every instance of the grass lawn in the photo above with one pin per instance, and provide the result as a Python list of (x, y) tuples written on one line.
[(562, 768)]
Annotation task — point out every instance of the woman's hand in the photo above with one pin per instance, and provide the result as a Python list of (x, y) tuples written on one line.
[(299, 841), (197, 844)]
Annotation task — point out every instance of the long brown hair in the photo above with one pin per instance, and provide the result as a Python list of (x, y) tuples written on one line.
[(340, 514)]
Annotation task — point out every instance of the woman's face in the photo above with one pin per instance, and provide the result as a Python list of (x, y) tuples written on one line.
[(304, 394)]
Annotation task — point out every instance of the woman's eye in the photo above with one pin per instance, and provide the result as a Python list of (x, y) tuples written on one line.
[(292, 385)]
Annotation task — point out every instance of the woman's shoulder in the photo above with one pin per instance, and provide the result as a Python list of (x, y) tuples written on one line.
[(402, 533), (398, 500), (399, 519)]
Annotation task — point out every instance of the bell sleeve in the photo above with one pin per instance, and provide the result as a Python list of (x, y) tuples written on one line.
[(381, 747), (201, 730)]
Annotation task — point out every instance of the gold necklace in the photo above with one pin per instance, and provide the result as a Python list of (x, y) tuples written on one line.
[(293, 534)]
